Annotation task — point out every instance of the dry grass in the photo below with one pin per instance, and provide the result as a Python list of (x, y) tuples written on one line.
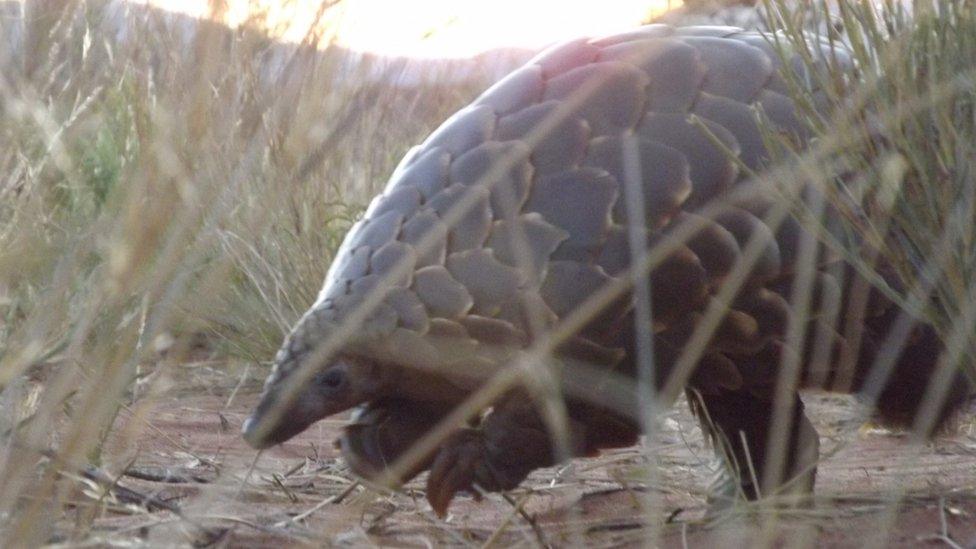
[(907, 137), (182, 181), (179, 179)]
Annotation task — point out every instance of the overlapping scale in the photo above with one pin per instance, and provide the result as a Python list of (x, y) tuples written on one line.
[(824, 293), (493, 331), (427, 172), (706, 147), (350, 264), (716, 248), (735, 69), (411, 312), (662, 173), (675, 68), (679, 286), (502, 167), (578, 202), (467, 129), (741, 121), (403, 199), (375, 231), (527, 310), (556, 135), (428, 235), (771, 311), (716, 372), (394, 262), (569, 284), (587, 88), (780, 110), (488, 280), (614, 256), (443, 296), (466, 212), (526, 243), (515, 92), (744, 227)]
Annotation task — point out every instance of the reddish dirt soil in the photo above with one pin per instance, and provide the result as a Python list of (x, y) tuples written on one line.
[(874, 489)]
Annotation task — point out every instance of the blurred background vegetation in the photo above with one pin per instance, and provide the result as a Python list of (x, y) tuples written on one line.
[(182, 176), (168, 186)]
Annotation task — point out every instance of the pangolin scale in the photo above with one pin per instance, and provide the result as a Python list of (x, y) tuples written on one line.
[(527, 203)]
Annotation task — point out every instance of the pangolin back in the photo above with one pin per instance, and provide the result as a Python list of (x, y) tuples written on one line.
[(515, 211)]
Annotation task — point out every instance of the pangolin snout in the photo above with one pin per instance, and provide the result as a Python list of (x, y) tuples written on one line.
[(262, 430), (249, 432), (259, 437), (278, 417), (256, 435)]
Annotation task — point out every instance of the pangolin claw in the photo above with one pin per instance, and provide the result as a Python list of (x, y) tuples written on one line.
[(462, 465)]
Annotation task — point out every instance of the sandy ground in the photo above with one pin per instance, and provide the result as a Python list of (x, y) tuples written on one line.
[(873, 487)]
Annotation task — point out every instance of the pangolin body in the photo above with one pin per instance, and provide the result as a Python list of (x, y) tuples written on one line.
[(525, 205)]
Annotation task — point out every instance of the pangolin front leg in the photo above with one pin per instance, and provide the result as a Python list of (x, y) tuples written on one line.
[(382, 432), (512, 441)]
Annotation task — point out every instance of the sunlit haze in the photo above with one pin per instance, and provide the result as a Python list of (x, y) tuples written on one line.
[(435, 28)]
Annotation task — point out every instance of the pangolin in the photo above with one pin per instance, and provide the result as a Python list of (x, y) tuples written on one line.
[(513, 227)]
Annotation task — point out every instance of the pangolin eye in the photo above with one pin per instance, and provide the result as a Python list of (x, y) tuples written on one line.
[(332, 379)]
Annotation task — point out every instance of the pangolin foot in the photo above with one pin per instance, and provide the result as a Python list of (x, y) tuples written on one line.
[(465, 461)]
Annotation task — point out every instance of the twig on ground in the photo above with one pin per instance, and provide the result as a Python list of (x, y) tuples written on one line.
[(345, 493), (161, 474), (281, 486), (110, 484), (503, 525), (331, 499), (540, 536)]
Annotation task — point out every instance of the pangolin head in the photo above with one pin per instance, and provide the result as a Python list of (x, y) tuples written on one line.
[(307, 385)]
